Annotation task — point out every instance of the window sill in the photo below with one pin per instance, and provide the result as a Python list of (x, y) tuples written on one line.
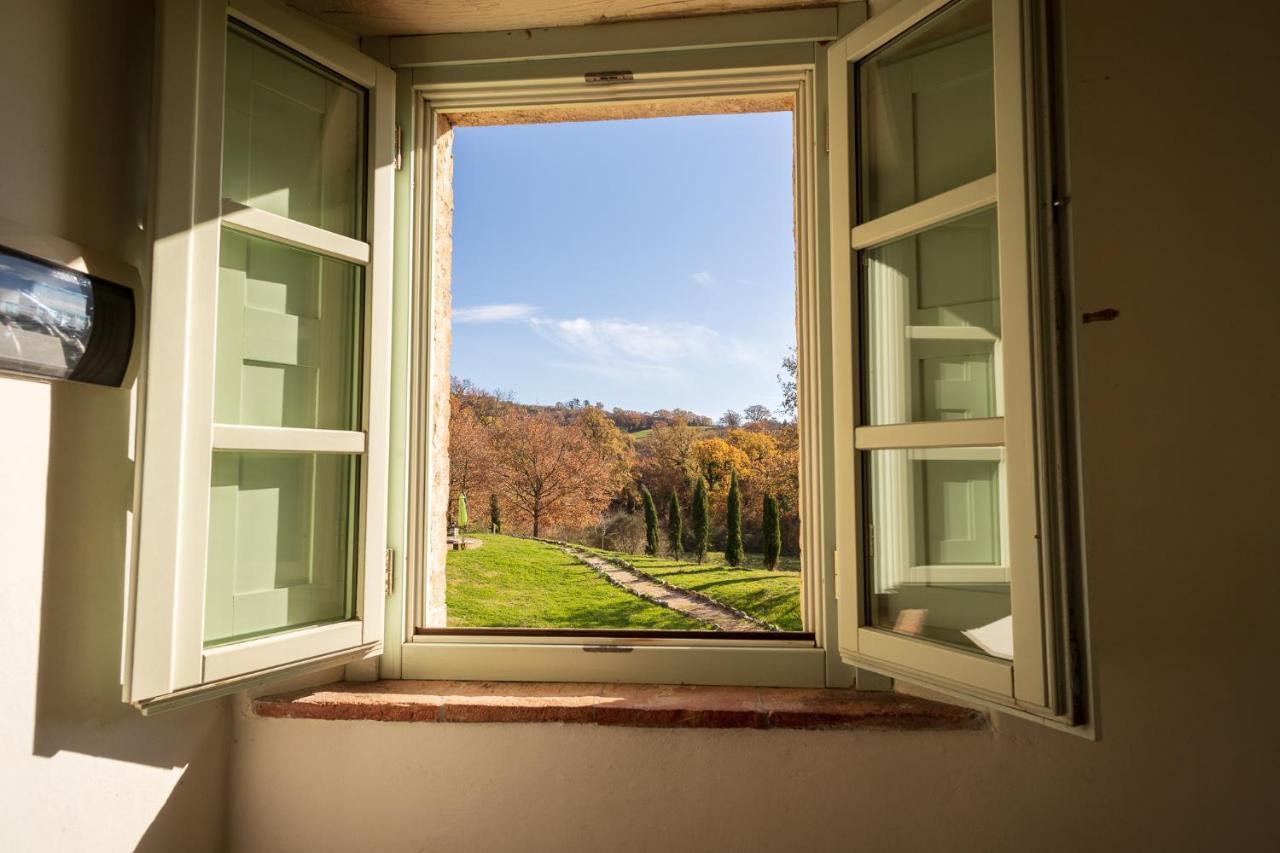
[(638, 705)]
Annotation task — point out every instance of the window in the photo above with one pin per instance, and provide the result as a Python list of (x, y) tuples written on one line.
[(664, 291), (943, 485), (447, 639), (286, 496), (262, 490)]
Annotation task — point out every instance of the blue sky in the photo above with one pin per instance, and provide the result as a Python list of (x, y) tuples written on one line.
[(646, 264)]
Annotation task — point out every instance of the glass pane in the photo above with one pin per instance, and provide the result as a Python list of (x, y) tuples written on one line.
[(931, 324), (936, 532), (281, 543), (293, 138), (926, 110), (288, 337)]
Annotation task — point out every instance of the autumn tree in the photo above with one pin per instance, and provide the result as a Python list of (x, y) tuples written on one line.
[(650, 522), (700, 518), (715, 459), (757, 414), (731, 419), (733, 525), (665, 457), (675, 534), (469, 469), (553, 473), (772, 532)]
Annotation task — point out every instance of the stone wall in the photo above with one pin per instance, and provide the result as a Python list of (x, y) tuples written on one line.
[(436, 609)]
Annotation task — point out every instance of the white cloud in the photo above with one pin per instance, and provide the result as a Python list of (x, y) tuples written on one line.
[(492, 313), (622, 342), (704, 278)]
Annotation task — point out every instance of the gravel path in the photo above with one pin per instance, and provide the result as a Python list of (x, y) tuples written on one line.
[(722, 618)]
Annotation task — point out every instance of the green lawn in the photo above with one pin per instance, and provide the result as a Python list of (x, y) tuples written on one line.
[(518, 583), (773, 596)]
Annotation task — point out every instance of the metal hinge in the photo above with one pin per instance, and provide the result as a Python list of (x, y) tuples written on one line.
[(399, 158), (835, 571), (389, 571)]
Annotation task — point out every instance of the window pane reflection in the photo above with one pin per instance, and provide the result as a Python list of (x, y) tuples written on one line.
[(931, 324), (926, 109), (281, 542), (937, 546)]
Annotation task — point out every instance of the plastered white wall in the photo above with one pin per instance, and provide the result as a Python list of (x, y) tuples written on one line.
[(1172, 146), (78, 769)]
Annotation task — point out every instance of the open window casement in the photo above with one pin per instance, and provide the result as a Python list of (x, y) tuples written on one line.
[(260, 514), (943, 574)]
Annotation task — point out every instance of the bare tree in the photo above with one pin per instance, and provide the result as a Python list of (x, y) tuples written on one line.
[(787, 380), (757, 414), (731, 419)]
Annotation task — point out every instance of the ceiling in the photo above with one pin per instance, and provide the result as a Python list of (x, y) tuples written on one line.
[(413, 17)]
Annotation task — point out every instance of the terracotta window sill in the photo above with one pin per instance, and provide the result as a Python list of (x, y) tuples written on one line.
[(641, 705)]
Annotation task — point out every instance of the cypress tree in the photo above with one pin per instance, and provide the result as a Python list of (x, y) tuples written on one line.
[(674, 530), (495, 514), (772, 532), (650, 522), (699, 515), (733, 525)]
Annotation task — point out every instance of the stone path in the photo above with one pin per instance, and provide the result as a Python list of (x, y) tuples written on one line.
[(721, 617)]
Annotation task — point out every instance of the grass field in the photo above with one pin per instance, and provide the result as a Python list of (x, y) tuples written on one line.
[(518, 583), (641, 434), (773, 596)]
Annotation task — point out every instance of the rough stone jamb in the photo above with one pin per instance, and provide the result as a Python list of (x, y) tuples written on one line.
[(659, 108), (436, 608)]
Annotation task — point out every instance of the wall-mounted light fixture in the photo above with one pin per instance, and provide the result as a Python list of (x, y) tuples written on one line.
[(65, 313)]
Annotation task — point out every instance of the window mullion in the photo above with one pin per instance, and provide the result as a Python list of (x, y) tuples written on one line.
[(908, 220), (287, 439), (978, 432), (290, 232)]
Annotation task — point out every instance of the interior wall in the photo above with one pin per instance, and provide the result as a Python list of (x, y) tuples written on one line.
[(1171, 144), (79, 770)]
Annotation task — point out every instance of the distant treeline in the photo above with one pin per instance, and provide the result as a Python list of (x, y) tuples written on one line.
[(575, 470), (627, 420)]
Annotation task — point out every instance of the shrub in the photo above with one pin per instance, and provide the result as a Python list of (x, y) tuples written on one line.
[(700, 516), (650, 522), (772, 532), (733, 525), (674, 527)]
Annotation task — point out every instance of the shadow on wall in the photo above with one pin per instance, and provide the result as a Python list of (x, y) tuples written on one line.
[(78, 704), (88, 182)]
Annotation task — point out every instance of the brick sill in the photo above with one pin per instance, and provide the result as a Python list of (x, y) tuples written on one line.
[(639, 705)]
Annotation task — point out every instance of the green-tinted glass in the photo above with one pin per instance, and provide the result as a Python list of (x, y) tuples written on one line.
[(931, 324), (288, 342), (281, 543), (926, 110), (937, 565), (293, 138)]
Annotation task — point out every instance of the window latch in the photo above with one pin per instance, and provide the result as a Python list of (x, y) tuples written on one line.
[(389, 571), (609, 77)]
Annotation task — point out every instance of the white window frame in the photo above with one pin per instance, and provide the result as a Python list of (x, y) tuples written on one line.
[(772, 52), (165, 661), (1034, 681)]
